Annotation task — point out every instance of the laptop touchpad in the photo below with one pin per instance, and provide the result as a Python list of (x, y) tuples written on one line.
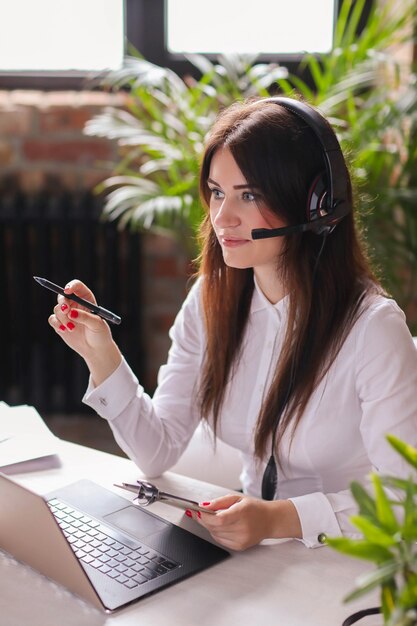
[(136, 522)]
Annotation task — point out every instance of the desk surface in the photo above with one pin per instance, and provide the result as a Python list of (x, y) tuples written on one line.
[(280, 583)]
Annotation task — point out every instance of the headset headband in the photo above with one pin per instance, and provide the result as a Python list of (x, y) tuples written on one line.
[(333, 157), (329, 198)]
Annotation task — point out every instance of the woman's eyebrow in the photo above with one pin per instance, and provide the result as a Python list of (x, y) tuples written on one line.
[(245, 186)]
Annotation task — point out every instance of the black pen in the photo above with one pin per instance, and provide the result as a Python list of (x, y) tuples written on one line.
[(98, 310)]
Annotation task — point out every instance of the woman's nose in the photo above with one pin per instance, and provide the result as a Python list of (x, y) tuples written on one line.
[(226, 215)]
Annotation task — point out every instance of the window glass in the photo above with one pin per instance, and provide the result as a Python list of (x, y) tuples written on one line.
[(61, 35), (253, 26)]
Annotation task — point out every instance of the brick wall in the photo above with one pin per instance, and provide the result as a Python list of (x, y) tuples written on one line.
[(42, 147), (165, 278), (42, 143)]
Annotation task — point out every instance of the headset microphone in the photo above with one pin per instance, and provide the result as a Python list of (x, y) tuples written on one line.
[(321, 225), (268, 233)]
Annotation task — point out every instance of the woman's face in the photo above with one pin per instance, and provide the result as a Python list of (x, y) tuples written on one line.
[(235, 212)]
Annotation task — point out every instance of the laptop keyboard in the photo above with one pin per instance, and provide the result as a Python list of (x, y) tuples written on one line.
[(121, 558)]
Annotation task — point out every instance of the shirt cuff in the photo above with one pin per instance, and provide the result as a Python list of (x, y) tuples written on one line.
[(317, 519), (113, 395)]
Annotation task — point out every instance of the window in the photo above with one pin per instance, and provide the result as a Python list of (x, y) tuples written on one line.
[(56, 35), (274, 27), (160, 27), (56, 44)]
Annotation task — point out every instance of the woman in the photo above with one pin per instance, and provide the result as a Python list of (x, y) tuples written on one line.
[(287, 346)]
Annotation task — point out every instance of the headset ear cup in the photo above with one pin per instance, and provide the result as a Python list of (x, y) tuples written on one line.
[(317, 204)]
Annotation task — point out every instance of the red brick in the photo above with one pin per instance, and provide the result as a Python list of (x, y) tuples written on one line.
[(165, 267), (16, 121), (63, 119), (81, 152), (91, 178), (83, 98), (159, 245), (7, 154), (167, 292), (66, 178), (32, 181)]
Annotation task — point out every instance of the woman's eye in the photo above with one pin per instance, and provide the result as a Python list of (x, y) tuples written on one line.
[(248, 197), (216, 194)]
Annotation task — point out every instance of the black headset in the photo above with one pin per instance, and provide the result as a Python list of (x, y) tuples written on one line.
[(328, 198)]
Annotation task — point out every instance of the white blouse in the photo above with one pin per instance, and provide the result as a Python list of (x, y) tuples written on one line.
[(370, 390)]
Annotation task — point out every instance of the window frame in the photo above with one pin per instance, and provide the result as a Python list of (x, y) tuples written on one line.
[(145, 32)]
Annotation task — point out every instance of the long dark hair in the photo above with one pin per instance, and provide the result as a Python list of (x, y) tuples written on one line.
[(278, 153)]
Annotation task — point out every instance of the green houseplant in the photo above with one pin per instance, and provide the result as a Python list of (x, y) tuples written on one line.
[(371, 98), (389, 541), (359, 86), (161, 134)]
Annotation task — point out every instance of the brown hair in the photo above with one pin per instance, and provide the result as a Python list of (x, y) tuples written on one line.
[(278, 153)]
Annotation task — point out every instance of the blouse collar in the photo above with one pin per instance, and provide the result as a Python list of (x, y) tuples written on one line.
[(261, 302)]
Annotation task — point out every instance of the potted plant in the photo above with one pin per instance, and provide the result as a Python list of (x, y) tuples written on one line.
[(389, 540), (161, 133)]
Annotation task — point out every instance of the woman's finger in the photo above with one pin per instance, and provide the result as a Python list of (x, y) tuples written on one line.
[(56, 324), (80, 289), (224, 502)]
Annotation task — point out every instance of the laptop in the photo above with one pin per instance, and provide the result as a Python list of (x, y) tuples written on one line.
[(97, 544)]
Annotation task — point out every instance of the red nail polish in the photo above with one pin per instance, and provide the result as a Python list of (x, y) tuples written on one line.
[(198, 514), (188, 513), (70, 326), (205, 503), (62, 327), (74, 313), (64, 307)]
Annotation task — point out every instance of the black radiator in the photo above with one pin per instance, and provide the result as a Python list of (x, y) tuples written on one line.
[(60, 236)]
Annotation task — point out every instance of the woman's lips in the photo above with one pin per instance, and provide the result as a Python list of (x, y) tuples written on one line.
[(232, 242)]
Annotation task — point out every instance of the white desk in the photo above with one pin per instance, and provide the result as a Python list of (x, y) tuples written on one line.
[(282, 583)]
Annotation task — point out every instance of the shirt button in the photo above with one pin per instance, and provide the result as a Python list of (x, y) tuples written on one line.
[(103, 401), (322, 538)]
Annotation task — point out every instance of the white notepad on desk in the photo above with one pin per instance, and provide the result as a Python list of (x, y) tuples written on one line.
[(26, 443)]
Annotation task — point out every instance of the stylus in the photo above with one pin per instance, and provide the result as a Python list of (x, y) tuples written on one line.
[(94, 308)]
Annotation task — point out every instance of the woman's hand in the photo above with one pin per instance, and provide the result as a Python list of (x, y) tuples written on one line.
[(86, 333), (241, 522)]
